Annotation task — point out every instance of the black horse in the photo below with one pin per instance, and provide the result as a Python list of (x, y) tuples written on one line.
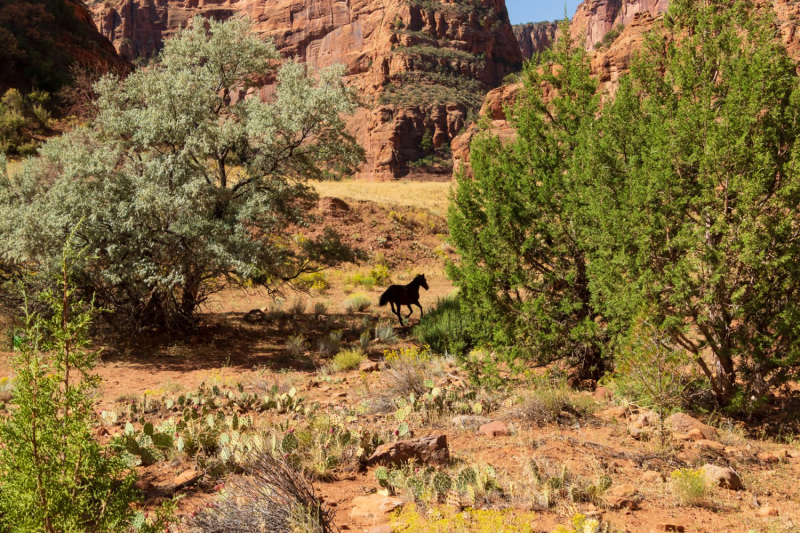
[(401, 295)]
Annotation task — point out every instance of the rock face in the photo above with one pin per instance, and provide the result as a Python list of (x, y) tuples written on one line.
[(595, 18), (43, 40), (535, 37), (421, 66)]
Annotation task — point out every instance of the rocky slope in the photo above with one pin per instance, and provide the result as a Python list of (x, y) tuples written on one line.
[(535, 37), (40, 41), (595, 18), (422, 65)]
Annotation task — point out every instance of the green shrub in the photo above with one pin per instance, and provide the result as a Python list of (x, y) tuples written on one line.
[(546, 401), (357, 303), (316, 281), (446, 328), (347, 360), (54, 476), (690, 486), (652, 372)]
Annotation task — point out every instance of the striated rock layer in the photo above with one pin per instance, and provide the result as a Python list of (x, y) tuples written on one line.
[(422, 65), (535, 37), (595, 18)]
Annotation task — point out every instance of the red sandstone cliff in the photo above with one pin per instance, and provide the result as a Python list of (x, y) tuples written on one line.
[(535, 37), (422, 65), (595, 18), (39, 42)]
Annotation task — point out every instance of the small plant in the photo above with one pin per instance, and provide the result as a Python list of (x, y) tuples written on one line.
[(295, 346), (445, 328), (271, 497), (384, 332), (314, 281), (364, 340), (547, 400), (347, 360), (320, 308), (298, 307), (690, 486), (357, 303), (330, 344)]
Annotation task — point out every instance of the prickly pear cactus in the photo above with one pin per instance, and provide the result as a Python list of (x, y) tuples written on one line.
[(442, 483)]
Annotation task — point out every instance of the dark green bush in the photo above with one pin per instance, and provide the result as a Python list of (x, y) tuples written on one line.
[(446, 328)]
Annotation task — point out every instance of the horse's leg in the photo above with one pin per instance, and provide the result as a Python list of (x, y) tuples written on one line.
[(399, 317), (421, 312), (410, 311)]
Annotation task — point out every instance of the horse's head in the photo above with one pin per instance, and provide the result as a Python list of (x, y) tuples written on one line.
[(421, 281)]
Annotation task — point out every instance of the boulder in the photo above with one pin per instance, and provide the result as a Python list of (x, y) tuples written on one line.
[(682, 423), (369, 366), (603, 394), (375, 507), (497, 428), (723, 476), (255, 316), (431, 450), (710, 445), (621, 496)]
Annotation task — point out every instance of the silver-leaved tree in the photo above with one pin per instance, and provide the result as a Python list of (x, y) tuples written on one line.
[(177, 188)]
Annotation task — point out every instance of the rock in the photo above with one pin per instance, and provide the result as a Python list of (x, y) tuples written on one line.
[(668, 527), (643, 423), (427, 450), (768, 511), (369, 366), (612, 413), (385, 528), (254, 316), (603, 394), (621, 496), (361, 35), (374, 507), (185, 478), (652, 475), (722, 476), (767, 457), (694, 434), (469, 421), (101, 432), (497, 428), (535, 37), (682, 423), (710, 444)]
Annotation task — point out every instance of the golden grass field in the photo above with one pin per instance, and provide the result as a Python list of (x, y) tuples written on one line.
[(430, 195)]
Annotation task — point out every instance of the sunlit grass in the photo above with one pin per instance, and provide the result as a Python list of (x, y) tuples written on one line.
[(429, 195)]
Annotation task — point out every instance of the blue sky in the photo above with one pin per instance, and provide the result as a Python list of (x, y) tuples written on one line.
[(538, 10)]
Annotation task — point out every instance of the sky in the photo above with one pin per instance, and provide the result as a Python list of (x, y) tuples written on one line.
[(521, 11)]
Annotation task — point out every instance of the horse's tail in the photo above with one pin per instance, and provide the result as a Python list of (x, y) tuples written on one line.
[(384, 298)]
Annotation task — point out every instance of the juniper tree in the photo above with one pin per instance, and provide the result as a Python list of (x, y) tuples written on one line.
[(182, 186), (522, 268), (695, 206)]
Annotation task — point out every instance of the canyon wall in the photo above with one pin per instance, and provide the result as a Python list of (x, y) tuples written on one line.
[(535, 37), (40, 41), (595, 18), (422, 66)]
